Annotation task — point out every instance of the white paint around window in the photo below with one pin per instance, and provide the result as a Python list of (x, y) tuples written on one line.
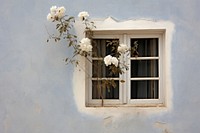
[(108, 26)]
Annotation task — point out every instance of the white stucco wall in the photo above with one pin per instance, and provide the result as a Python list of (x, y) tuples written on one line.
[(36, 87)]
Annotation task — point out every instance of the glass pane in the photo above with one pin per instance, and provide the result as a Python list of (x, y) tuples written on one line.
[(145, 89), (103, 47), (144, 68), (147, 47), (99, 90), (100, 70)]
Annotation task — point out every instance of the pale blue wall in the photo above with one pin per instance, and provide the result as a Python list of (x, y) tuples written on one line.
[(36, 86)]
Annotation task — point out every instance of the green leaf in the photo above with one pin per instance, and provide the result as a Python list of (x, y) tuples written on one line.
[(113, 84), (57, 26), (66, 59), (77, 63), (70, 18), (70, 43)]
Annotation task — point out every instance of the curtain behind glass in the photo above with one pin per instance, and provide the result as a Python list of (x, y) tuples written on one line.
[(99, 71), (145, 89)]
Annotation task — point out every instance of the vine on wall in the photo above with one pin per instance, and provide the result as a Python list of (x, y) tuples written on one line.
[(64, 24)]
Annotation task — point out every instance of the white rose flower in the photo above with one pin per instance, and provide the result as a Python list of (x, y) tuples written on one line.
[(50, 17), (89, 48), (108, 60), (114, 61), (122, 48), (82, 47), (60, 11), (53, 10), (83, 15), (56, 13), (85, 45), (86, 41)]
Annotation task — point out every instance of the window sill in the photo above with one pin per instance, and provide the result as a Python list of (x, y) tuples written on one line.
[(120, 111), (127, 106)]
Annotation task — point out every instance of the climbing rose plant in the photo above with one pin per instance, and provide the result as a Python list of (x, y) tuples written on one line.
[(64, 24)]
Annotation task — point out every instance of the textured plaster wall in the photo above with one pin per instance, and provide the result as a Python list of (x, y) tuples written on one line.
[(36, 90)]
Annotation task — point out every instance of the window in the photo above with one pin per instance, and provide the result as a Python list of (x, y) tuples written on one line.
[(159, 33), (144, 80)]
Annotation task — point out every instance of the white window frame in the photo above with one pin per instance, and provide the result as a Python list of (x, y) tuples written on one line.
[(161, 45), (109, 26), (125, 36)]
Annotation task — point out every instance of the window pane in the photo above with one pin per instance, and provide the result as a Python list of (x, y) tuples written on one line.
[(144, 68), (145, 89), (147, 47), (99, 47), (103, 88), (100, 70), (103, 47), (99, 90)]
